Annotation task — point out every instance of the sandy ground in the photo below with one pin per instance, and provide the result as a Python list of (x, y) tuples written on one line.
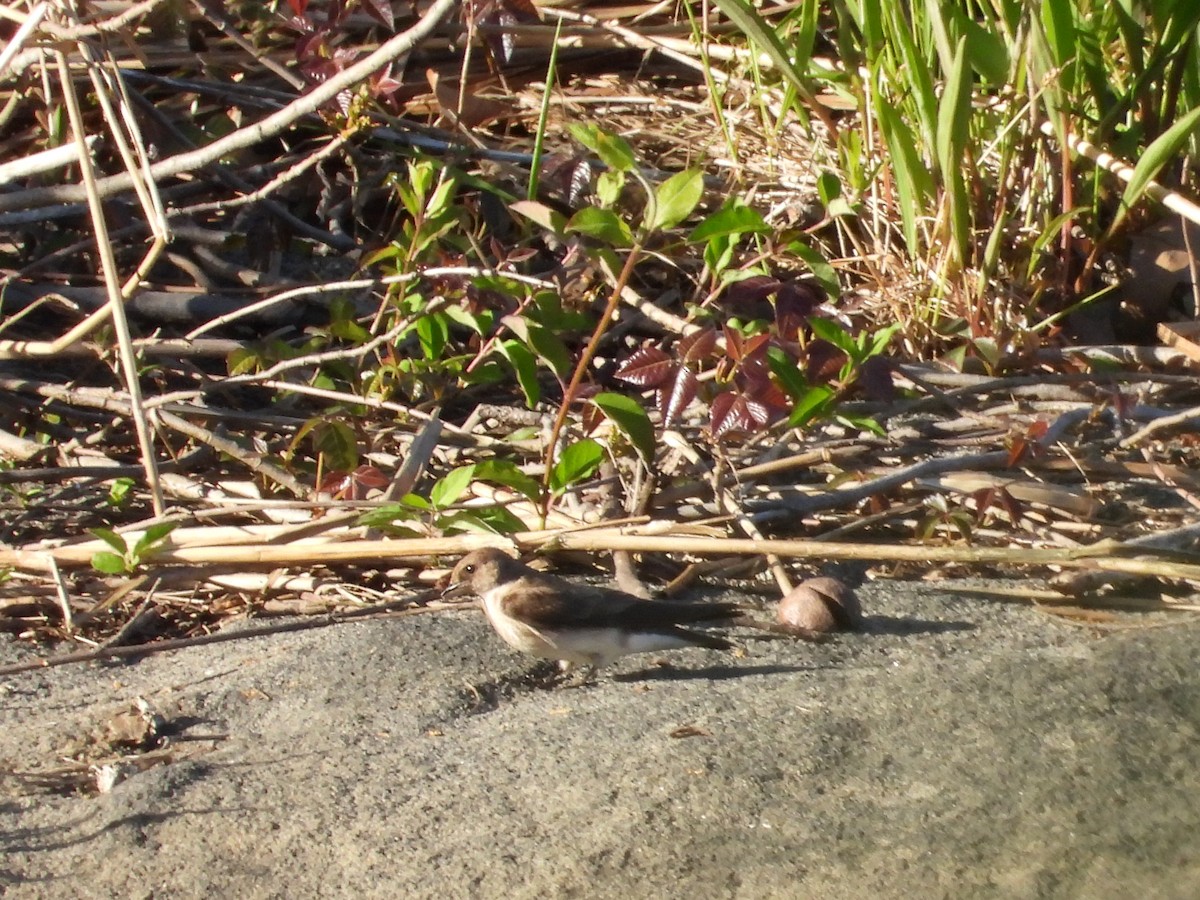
[(958, 748)]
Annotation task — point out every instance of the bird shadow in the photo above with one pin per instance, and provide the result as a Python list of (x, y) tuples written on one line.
[(708, 673), (901, 626)]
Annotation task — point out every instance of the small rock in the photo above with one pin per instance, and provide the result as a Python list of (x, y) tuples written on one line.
[(820, 605)]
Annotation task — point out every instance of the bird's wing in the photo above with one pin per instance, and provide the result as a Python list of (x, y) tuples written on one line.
[(555, 602)]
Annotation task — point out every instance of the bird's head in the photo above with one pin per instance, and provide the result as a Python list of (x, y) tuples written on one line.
[(481, 570)]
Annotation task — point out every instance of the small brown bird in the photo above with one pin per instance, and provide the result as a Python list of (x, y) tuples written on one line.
[(578, 624)]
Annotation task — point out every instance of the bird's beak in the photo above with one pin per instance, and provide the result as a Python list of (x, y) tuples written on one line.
[(453, 589)]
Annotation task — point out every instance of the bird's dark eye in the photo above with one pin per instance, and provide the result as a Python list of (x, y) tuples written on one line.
[(470, 569)]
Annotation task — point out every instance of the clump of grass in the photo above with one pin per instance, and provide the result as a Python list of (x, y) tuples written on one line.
[(985, 221)]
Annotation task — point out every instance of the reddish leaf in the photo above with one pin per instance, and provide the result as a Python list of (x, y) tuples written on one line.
[(875, 376), (764, 391), (697, 346), (381, 12), (751, 290), (367, 476), (722, 422), (1011, 506), (648, 367), (824, 361), (674, 397), (795, 302), (1017, 449), (334, 483), (298, 6), (592, 417), (755, 347), (733, 412), (739, 347), (758, 413)]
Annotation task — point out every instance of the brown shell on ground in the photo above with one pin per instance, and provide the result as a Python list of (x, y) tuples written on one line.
[(821, 605)]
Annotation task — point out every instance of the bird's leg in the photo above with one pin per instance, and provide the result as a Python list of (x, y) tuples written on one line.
[(576, 677)]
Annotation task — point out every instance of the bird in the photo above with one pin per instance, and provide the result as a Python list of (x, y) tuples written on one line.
[(578, 624)]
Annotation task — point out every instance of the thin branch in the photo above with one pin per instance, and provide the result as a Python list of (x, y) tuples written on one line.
[(247, 137)]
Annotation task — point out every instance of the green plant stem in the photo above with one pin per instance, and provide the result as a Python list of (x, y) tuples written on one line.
[(584, 361), (539, 136)]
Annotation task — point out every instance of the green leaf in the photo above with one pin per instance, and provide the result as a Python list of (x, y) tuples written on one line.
[(822, 270), (675, 199), (609, 185), (541, 214), (766, 38), (542, 341), (829, 330), (914, 184), (731, 219), (524, 363), (109, 563), (862, 423), (433, 332), (488, 520), (813, 404), (153, 535), (630, 417), (578, 461), (602, 224), (337, 443), (480, 323), (829, 188), (448, 489), (785, 369), (110, 537), (614, 151), (1157, 155), (505, 472), (242, 361), (384, 516), (954, 119)]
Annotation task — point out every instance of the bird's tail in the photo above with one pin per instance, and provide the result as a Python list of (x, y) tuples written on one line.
[(703, 639)]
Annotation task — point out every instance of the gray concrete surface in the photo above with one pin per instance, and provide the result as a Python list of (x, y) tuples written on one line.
[(959, 748)]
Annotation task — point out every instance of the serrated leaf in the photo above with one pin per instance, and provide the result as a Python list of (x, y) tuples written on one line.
[(602, 224), (675, 199), (647, 368), (697, 346), (110, 537), (381, 11), (108, 563), (578, 462), (675, 396), (729, 220), (629, 416), (447, 489), (728, 414), (541, 214)]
